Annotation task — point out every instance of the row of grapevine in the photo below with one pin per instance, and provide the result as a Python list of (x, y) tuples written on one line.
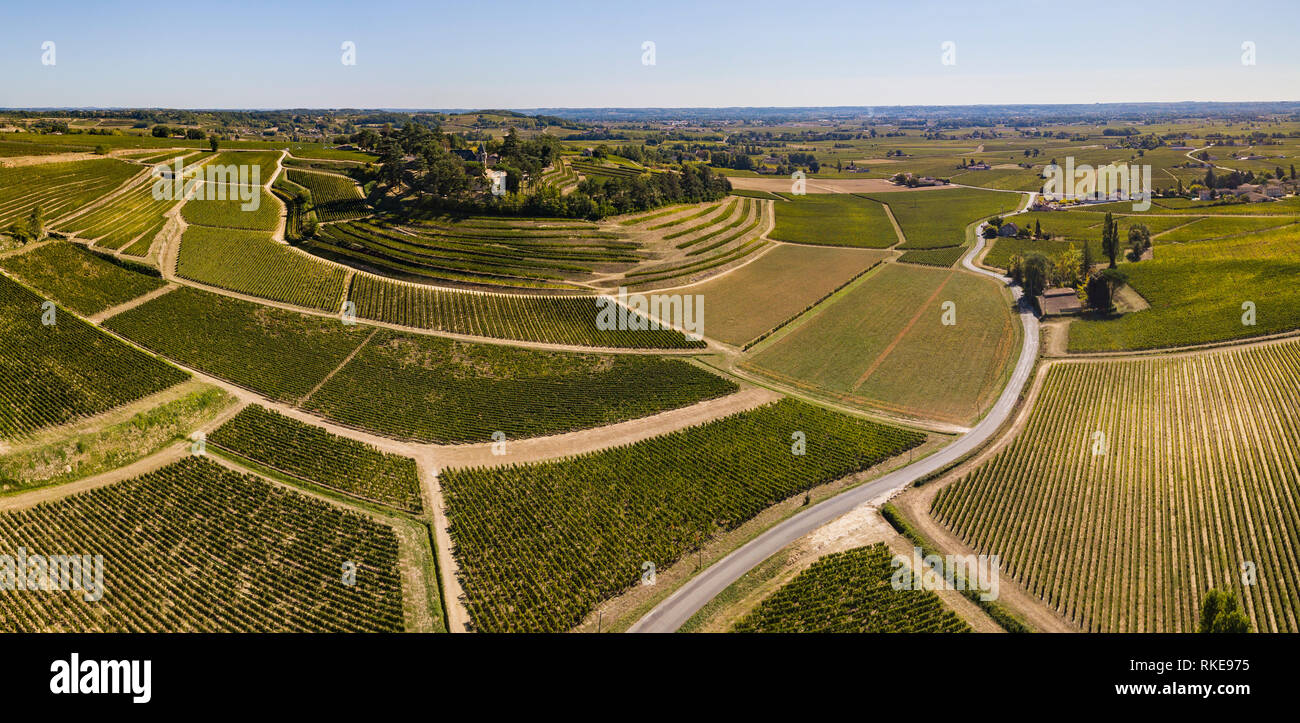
[(59, 188), (310, 453), (79, 278), (54, 373), (531, 257), (851, 592), (432, 389), (281, 354), (194, 547), (408, 386), (250, 262), (335, 198), (552, 319), (540, 545), (207, 208), (135, 216), (1136, 486)]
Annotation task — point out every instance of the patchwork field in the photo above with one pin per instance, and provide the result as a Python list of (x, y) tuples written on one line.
[(551, 319), (132, 220), (59, 188), (1136, 486), (745, 303), (249, 262), (520, 532), (883, 345), (431, 389)]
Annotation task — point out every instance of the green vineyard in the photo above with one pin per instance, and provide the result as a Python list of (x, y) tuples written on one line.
[(1136, 486), (53, 374), (59, 188), (431, 389), (312, 454), (334, 198), (282, 354), (77, 278), (133, 219), (541, 545), (551, 319), (850, 592), (462, 253), (249, 262), (194, 547)]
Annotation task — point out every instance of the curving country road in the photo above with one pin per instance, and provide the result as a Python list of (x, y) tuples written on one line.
[(670, 614)]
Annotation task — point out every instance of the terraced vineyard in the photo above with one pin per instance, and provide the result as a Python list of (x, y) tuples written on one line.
[(729, 235), (1136, 486), (309, 453), (541, 545), (78, 278), (55, 374), (550, 319), (133, 219), (59, 188), (525, 256), (279, 353), (249, 262), (194, 547), (850, 592), (432, 389), (334, 198)]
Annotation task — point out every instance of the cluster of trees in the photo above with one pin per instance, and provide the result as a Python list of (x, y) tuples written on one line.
[(28, 229), (1236, 178), (1221, 613), (1074, 267), (194, 134), (594, 197), (418, 160)]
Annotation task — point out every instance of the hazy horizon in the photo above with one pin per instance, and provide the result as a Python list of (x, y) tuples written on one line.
[(495, 54)]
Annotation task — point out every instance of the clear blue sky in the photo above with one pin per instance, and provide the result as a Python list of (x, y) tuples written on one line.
[(525, 54)]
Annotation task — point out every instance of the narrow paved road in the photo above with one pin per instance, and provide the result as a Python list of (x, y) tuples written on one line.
[(674, 611)]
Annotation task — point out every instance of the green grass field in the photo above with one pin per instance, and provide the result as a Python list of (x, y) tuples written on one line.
[(833, 219), (883, 345)]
